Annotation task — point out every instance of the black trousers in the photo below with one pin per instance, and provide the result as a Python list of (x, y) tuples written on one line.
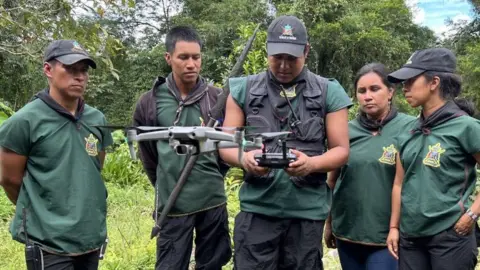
[(212, 241), (265, 243), (83, 262), (444, 251)]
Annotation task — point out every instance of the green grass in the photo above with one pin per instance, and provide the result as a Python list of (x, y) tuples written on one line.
[(129, 224)]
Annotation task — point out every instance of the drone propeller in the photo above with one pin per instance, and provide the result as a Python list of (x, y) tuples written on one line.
[(139, 128), (269, 134), (240, 128)]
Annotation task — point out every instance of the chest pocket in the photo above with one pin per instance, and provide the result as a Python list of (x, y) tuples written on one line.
[(312, 126), (258, 109)]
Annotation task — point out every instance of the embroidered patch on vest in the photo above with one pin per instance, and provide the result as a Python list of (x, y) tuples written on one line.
[(388, 156), (433, 156), (91, 145)]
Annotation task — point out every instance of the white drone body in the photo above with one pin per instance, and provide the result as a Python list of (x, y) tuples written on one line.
[(193, 140)]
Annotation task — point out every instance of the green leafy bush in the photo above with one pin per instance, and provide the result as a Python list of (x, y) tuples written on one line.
[(119, 168), (5, 112), (118, 138)]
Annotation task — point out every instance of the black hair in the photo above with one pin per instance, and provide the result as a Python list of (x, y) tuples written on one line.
[(450, 89), (181, 33), (377, 68), (53, 62)]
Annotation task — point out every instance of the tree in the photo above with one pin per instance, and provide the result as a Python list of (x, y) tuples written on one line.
[(217, 22), (345, 35), (28, 26), (466, 45)]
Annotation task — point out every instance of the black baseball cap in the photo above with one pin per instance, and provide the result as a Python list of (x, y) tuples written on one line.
[(432, 59), (68, 52), (286, 34)]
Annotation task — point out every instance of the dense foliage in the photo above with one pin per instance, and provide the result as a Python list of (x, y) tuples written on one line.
[(126, 39)]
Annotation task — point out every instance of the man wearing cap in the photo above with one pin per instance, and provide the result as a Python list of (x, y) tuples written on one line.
[(283, 211), (52, 156)]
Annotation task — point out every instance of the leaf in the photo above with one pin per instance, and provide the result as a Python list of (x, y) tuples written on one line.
[(3, 117), (115, 74)]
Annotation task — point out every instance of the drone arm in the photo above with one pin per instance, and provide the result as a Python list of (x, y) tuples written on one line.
[(222, 145), (150, 136), (220, 136)]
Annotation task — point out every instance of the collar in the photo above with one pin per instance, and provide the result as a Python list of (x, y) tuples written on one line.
[(299, 79), (375, 125), (44, 95), (445, 113)]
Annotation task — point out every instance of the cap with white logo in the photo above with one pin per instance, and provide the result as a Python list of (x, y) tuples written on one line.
[(287, 35), (432, 59)]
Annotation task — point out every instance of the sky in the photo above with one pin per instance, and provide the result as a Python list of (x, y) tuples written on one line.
[(433, 13)]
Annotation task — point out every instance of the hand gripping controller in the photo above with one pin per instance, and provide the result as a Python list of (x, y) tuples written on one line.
[(275, 160)]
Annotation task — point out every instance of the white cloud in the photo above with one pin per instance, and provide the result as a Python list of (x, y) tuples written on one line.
[(442, 30), (411, 3), (434, 14), (445, 31), (438, 1), (417, 12), (460, 18), (419, 16)]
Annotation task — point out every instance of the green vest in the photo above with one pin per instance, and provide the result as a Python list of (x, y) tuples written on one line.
[(361, 204), (439, 176), (62, 189)]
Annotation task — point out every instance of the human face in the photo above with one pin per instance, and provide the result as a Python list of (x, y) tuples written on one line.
[(286, 67), (186, 62), (373, 95), (69, 80), (418, 90)]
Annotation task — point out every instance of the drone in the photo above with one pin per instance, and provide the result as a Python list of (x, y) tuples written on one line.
[(196, 140)]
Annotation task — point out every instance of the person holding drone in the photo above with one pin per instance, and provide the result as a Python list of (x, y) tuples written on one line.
[(283, 210), (184, 99)]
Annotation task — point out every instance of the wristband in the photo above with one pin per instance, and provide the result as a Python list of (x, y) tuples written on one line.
[(393, 227), (472, 215)]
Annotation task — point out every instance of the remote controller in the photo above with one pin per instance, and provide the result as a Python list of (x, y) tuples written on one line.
[(274, 160)]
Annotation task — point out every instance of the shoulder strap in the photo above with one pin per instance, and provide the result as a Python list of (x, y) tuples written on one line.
[(320, 87), (208, 101)]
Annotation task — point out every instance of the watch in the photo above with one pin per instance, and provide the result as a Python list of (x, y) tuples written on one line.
[(472, 215)]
